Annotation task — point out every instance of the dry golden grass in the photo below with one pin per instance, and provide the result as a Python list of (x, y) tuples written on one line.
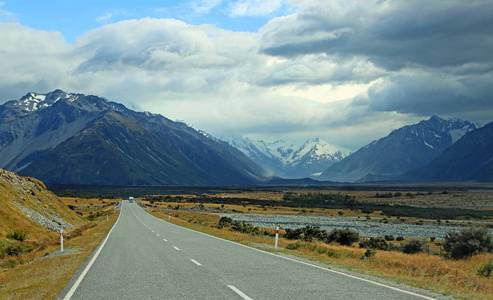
[(453, 277), (33, 195), (46, 277)]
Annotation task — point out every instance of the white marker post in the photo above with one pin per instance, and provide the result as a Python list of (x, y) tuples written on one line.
[(277, 235), (169, 216), (61, 240)]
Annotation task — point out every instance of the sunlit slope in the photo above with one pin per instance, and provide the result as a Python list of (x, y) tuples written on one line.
[(26, 204)]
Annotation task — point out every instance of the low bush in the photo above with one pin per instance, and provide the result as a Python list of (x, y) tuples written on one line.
[(306, 234), (344, 237), (224, 222), (12, 249), (370, 253), (374, 243), (293, 246), (486, 270), (468, 242), (415, 246), (18, 235), (389, 238)]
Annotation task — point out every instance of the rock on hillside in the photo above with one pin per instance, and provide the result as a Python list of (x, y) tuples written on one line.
[(26, 204)]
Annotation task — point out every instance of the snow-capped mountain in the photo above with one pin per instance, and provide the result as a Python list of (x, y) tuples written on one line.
[(404, 149), (69, 138), (290, 160)]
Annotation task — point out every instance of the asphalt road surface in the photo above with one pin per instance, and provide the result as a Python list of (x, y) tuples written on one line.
[(147, 258)]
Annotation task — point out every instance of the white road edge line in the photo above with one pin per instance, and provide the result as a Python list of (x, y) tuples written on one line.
[(240, 293), (176, 248), (196, 262), (71, 292), (304, 263)]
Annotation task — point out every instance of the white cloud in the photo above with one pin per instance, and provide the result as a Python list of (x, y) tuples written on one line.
[(109, 16), (6, 15), (349, 71), (204, 6), (255, 7)]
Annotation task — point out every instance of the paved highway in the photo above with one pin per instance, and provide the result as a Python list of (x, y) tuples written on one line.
[(147, 258)]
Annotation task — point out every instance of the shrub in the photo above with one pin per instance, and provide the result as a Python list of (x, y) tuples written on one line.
[(9, 263), (370, 253), (293, 246), (14, 249), (18, 235), (306, 234), (486, 270), (72, 207), (244, 227), (468, 242), (374, 243), (415, 246), (399, 238), (224, 221), (343, 236), (389, 238)]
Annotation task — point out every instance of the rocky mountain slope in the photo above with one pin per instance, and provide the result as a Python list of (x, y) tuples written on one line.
[(26, 204), (469, 159), (289, 160), (77, 139), (404, 149)]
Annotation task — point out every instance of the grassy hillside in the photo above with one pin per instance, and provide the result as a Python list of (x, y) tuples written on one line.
[(27, 210)]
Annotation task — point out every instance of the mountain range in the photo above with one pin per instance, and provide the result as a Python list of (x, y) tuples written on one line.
[(290, 160), (70, 138), (469, 159), (66, 138), (404, 149)]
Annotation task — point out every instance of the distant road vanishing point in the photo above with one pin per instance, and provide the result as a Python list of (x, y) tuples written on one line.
[(144, 257)]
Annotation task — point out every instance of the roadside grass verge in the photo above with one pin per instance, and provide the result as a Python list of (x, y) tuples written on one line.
[(45, 277), (458, 278)]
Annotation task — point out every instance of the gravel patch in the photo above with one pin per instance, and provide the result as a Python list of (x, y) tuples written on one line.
[(58, 253), (51, 220), (362, 226)]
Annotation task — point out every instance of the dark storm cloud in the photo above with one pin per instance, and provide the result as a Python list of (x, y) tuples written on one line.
[(392, 34)]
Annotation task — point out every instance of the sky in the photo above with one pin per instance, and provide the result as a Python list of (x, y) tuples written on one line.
[(347, 71)]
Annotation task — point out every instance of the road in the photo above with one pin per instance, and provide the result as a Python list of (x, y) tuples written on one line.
[(147, 258)]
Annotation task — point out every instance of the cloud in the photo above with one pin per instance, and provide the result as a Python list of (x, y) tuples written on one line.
[(255, 7), (6, 15), (391, 34), (349, 71), (109, 16), (31, 60), (204, 6)]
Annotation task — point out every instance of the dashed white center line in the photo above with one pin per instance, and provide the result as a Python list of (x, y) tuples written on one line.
[(153, 231), (165, 240), (240, 293), (196, 262), (176, 248), (157, 234)]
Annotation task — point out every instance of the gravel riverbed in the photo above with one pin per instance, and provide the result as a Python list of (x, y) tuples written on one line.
[(362, 226)]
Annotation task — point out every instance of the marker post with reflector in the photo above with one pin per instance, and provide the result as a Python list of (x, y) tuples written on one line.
[(61, 240), (277, 235)]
